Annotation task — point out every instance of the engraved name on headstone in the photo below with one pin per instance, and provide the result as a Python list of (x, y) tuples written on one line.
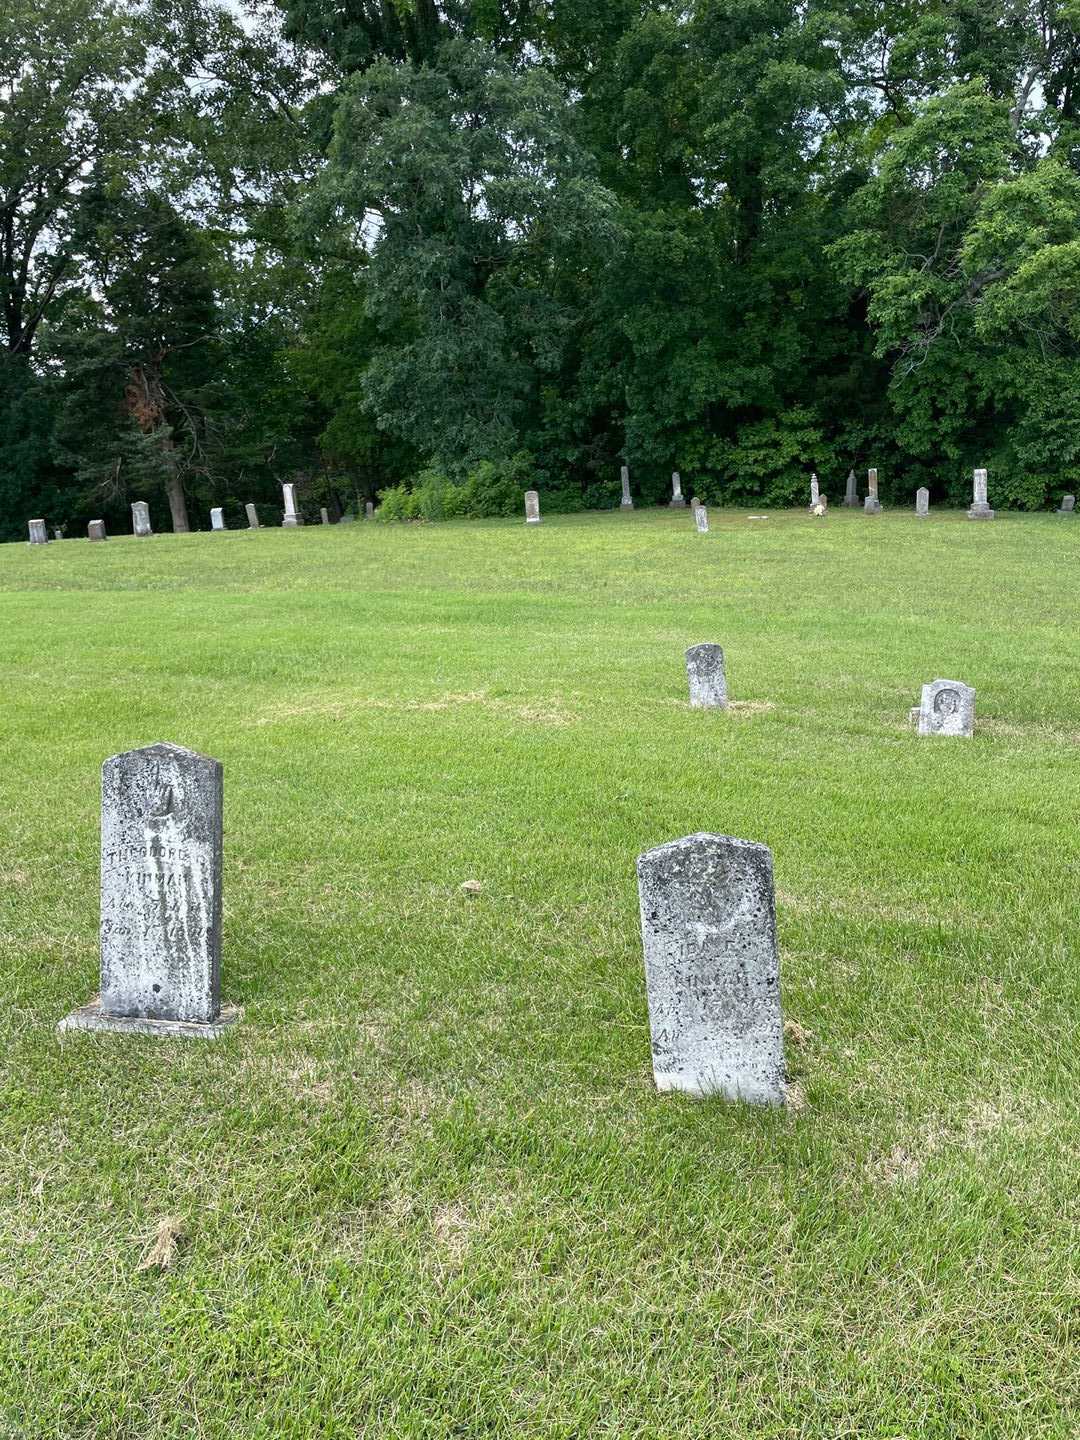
[(701, 519), (140, 517), (96, 530), (217, 518), (712, 970), (980, 510), (161, 841), (627, 502), (1068, 505), (677, 501), (947, 708), (706, 678), (292, 516), (922, 502), (252, 516), (851, 494), (532, 507), (39, 534), (871, 505)]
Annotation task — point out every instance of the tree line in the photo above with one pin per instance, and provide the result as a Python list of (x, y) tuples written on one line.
[(445, 252)]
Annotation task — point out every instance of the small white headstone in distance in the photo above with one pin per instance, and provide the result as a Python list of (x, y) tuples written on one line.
[(96, 530), (39, 535), (532, 507), (1068, 505), (872, 505), (947, 708), (677, 501), (217, 518), (851, 496), (369, 509), (980, 509), (627, 502), (292, 515), (252, 516), (922, 502), (712, 971), (701, 518), (140, 517), (324, 515)]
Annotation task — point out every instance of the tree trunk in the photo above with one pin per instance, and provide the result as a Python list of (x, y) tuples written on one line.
[(174, 488)]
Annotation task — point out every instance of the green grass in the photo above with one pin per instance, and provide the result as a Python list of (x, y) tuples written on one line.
[(427, 1187)]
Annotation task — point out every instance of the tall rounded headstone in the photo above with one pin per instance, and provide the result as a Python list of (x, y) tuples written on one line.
[(252, 516), (292, 516), (627, 502), (532, 507), (712, 970), (922, 502), (706, 678), (140, 518), (161, 844)]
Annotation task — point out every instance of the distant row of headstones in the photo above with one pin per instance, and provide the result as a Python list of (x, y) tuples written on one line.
[(980, 509), (819, 503), (140, 519), (708, 918)]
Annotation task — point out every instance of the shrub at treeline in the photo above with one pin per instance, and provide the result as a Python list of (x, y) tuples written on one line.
[(441, 254)]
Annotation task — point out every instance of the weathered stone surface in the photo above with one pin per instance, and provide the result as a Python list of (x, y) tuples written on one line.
[(677, 501), (292, 516), (161, 841), (705, 674), (39, 535), (712, 971), (324, 515), (922, 502), (217, 518), (58, 534), (851, 494), (96, 530), (701, 519), (369, 509), (140, 517), (252, 516), (694, 503), (980, 510), (821, 507), (627, 502), (1068, 505), (532, 507), (815, 491), (871, 505), (947, 708)]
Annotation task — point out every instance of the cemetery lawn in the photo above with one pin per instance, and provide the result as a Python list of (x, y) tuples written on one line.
[(426, 1189)]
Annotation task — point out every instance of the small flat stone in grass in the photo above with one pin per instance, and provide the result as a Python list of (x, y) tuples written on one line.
[(471, 887)]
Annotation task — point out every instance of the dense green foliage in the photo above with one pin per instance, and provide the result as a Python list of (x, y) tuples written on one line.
[(741, 238)]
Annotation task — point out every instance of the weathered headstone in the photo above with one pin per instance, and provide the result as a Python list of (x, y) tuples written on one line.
[(694, 502), (706, 678), (369, 509), (627, 502), (947, 708), (39, 535), (324, 515), (922, 502), (677, 501), (872, 505), (708, 927), (1068, 505), (980, 510), (815, 491), (58, 534), (701, 519), (217, 518), (821, 507), (96, 530), (252, 516), (532, 508), (292, 515), (140, 517), (160, 896), (851, 495)]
